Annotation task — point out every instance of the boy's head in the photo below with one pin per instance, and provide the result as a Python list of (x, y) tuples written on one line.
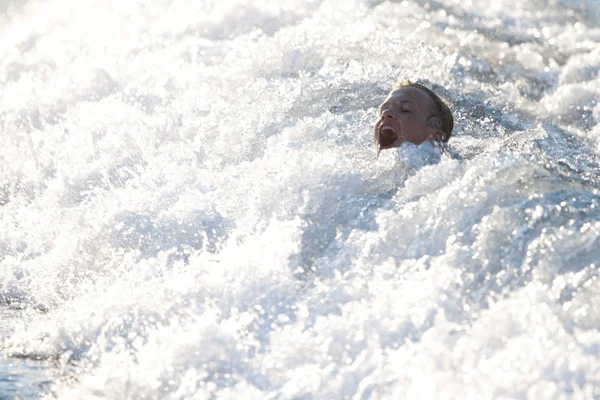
[(412, 113)]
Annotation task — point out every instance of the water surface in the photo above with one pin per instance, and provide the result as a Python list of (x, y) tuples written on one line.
[(191, 206)]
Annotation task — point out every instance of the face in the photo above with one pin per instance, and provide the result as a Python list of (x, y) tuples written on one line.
[(402, 118)]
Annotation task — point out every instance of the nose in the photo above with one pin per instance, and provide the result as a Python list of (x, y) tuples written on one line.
[(388, 114)]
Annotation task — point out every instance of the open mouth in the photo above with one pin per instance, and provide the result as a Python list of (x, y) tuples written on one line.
[(387, 136)]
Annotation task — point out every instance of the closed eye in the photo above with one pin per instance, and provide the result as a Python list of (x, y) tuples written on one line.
[(386, 106)]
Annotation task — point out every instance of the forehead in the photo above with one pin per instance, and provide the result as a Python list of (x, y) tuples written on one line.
[(415, 95)]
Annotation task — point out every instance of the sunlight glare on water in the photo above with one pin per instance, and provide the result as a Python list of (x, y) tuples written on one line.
[(192, 206)]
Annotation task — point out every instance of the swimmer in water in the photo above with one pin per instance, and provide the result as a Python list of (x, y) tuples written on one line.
[(412, 113)]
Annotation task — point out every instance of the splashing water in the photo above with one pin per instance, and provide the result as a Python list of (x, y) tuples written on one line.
[(191, 205)]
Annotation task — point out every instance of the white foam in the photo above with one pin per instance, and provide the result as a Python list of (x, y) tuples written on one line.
[(192, 206)]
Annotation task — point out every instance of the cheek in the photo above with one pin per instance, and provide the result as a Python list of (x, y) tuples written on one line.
[(413, 128), (408, 123)]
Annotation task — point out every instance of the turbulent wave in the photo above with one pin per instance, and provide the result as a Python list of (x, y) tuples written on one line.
[(191, 206)]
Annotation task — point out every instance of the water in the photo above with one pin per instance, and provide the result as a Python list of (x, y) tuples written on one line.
[(23, 379), (191, 205)]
